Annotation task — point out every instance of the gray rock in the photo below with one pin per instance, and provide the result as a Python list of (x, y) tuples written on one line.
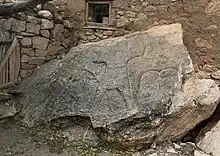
[(45, 33), (216, 75), (33, 28), (26, 42), (46, 24), (57, 32), (138, 89), (40, 42), (200, 153), (36, 60), (210, 142), (9, 23), (45, 14), (24, 58), (33, 19), (123, 21), (7, 110), (55, 48), (18, 26), (40, 53)]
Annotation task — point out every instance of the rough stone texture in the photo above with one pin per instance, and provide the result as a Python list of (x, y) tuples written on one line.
[(33, 28), (40, 53), (200, 153), (24, 58), (7, 110), (46, 24), (216, 75), (58, 31), (28, 51), (45, 33), (18, 26), (137, 89), (36, 60), (33, 19), (40, 43), (210, 143), (55, 48), (45, 14), (26, 42)]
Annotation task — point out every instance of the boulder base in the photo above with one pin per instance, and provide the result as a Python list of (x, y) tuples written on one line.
[(136, 90)]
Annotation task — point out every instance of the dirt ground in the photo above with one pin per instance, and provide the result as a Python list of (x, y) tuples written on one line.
[(16, 140)]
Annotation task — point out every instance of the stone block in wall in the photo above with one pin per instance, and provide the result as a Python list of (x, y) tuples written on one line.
[(141, 16), (202, 43), (123, 21), (99, 35), (57, 32), (91, 38), (33, 28), (55, 48), (26, 66), (27, 51), (119, 33), (66, 33), (108, 33), (40, 42), (33, 19), (130, 14), (26, 34), (21, 16), (120, 13), (9, 23), (158, 2), (150, 8), (67, 24), (45, 33), (45, 14), (18, 26), (58, 18), (104, 37), (24, 58), (40, 53), (26, 42), (24, 74), (66, 43), (46, 24), (50, 7), (37, 60), (136, 8)]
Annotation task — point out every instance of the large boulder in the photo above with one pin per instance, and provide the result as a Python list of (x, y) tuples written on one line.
[(136, 90), (210, 142)]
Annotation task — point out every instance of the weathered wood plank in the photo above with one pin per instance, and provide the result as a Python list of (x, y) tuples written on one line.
[(6, 72), (3, 68), (17, 63), (1, 58), (12, 67), (9, 52)]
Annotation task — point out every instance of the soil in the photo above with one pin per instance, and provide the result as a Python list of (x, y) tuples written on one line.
[(16, 140)]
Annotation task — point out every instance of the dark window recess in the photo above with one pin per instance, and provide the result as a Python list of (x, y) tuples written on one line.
[(98, 13)]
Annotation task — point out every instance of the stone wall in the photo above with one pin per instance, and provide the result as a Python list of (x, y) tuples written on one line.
[(200, 20), (42, 34)]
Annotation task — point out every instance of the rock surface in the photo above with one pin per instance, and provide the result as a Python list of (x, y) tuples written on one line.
[(137, 89), (210, 143), (7, 110)]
